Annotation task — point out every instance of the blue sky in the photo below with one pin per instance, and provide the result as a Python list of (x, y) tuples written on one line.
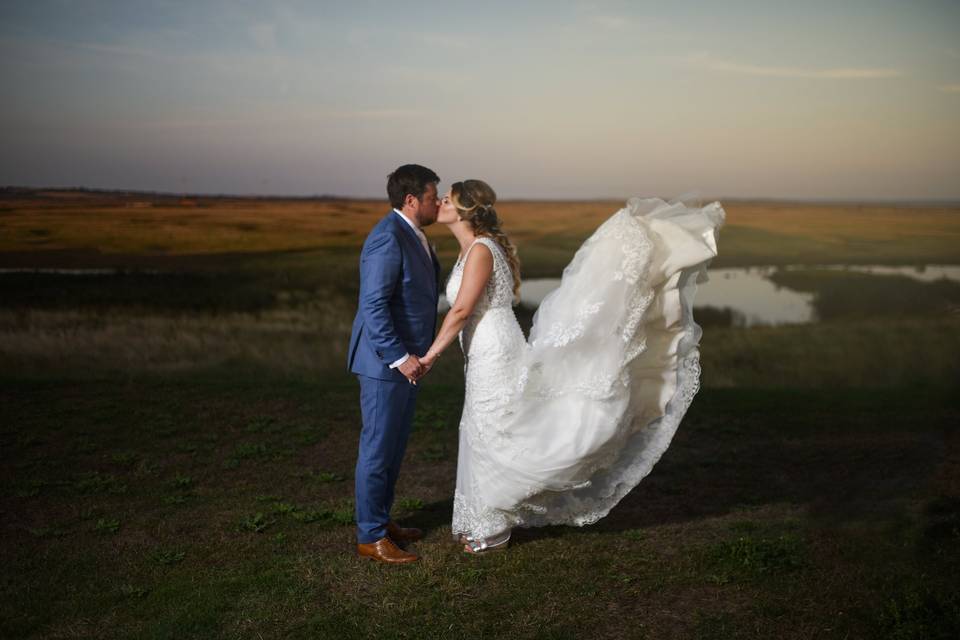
[(542, 99)]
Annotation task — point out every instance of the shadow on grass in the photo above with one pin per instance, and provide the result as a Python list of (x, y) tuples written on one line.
[(862, 455), (433, 515)]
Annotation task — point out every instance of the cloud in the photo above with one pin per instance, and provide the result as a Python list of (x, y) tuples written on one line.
[(949, 88), (264, 35), (614, 23), (706, 61), (287, 117), (445, 41), (121, 50), (377, 114)]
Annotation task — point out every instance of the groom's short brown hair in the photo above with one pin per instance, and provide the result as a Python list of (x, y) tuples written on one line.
[(409, 178)]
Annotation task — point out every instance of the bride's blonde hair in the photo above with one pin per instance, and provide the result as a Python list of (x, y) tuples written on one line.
[(474, 200)]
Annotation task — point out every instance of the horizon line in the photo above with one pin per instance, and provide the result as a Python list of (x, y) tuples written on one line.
[(327, 196)]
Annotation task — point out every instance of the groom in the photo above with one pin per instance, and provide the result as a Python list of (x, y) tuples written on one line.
[(396, 319)]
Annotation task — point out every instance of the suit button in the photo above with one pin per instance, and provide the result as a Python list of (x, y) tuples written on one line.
[(379, 355)]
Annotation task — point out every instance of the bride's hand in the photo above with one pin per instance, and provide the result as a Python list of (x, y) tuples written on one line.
[(427, 361)]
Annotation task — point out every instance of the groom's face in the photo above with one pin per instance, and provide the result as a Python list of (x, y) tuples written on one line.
[(429, 205)]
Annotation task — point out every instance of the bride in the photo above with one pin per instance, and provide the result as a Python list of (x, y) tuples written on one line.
[(558, 428)]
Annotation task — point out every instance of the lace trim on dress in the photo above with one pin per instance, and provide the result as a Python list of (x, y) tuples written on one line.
[(503, 372)]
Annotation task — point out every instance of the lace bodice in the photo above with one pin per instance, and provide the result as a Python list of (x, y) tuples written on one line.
[(499, 290), (494, 309)]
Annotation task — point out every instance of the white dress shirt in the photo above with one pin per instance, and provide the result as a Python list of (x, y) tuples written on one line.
[(426, 247), (420, 234)]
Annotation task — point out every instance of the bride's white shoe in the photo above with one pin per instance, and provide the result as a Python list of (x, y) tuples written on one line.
[(479, 548), (487, 545)]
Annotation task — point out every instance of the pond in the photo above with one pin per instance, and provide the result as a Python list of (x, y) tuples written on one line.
[(748, 296), (763, 295)]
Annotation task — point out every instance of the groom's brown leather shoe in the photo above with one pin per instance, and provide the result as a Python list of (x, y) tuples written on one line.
[(385, 550), (403, 535)]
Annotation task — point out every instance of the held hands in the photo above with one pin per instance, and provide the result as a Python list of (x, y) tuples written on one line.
[(415, 368), (412, 369)]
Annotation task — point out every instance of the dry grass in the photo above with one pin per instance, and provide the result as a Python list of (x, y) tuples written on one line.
[(282, 340), (546, 232), (116, 224)]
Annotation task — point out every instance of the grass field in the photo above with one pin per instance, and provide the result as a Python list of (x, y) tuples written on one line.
[(139, 230), (178, 446)]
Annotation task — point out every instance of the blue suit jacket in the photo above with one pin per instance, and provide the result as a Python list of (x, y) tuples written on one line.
[(397, 306)]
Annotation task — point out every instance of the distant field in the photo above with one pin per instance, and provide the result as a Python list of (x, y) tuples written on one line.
[(81, 227), (272, 284)]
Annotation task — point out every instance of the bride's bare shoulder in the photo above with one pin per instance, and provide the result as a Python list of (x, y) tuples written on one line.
[(480, 255), (479, 264)]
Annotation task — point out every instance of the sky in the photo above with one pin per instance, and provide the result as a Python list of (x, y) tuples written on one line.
[(845, 99)]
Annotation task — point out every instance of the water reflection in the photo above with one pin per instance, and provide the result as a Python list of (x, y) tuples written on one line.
[(746, 296), (923, 273), (753, 298)]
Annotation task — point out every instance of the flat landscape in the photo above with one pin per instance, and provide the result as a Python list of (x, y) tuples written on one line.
[(179, 430)]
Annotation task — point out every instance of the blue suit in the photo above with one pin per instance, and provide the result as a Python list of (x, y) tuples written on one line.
[(396, 314)]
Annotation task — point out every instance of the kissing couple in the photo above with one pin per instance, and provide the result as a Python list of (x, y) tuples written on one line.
[(556, 427)]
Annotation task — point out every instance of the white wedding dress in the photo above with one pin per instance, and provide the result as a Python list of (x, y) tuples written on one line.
[(557, 429)]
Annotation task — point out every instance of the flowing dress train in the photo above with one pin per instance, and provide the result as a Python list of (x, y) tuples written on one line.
[(557, 429)]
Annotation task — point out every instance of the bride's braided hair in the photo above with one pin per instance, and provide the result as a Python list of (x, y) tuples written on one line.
[(474, 200)]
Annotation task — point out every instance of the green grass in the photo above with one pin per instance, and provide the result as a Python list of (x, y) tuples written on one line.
[(178, 448), (844, 295), (749, 556), (762, 532)]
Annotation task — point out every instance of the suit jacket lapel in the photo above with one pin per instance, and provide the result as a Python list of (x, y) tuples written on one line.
[(417, 247)]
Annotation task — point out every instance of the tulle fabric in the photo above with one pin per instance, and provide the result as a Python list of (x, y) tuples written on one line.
[(557, 429)]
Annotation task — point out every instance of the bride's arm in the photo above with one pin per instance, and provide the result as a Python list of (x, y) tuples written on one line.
[(476, 274)]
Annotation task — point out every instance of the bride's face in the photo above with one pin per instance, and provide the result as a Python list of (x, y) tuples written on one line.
[(447, 213)]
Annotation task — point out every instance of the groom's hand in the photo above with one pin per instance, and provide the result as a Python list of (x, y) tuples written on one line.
[(411, 368)]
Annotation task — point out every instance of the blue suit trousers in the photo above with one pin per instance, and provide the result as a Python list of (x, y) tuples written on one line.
[(387, 409)]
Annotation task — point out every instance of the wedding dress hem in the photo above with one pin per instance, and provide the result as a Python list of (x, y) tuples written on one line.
[(557, 429)]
